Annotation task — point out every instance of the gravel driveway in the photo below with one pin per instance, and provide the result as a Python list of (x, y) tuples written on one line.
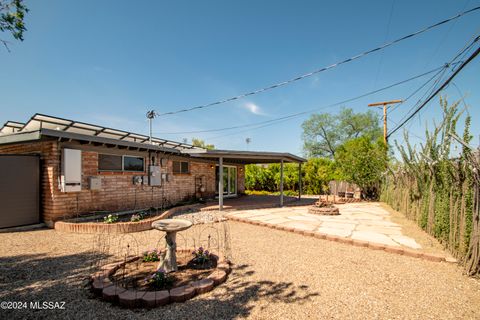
[(277, 275)]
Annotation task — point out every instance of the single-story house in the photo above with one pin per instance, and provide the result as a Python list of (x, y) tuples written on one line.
[(53, 168)]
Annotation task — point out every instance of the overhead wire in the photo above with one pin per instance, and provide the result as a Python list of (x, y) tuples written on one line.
[(438, 69), (439, 89), (309, 74), (283, 119), (387, 33), (461, 55)]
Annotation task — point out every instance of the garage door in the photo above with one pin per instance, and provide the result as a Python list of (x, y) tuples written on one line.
[(19, 190)]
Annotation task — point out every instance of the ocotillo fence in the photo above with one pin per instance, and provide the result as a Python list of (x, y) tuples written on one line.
[(439, 188)]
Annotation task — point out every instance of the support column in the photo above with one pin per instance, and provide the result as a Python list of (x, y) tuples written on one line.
[(220, 183), (300, 181), (281, 183)]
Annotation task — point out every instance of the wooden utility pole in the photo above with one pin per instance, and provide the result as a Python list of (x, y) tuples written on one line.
[(385, 106)]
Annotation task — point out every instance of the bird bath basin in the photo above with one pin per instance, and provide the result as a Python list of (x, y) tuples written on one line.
[(171, 227)]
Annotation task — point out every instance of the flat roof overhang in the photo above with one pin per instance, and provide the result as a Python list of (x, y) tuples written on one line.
[(27, 136), (231, 156), (244, 157)]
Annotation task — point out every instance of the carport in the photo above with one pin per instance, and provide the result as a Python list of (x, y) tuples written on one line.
[(248, 157)]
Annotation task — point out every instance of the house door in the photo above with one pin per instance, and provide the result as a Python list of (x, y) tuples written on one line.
[(229, 180)]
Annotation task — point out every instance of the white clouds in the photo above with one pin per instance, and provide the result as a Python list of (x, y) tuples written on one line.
[(253, 108)]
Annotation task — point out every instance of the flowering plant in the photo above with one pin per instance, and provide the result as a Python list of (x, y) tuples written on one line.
[(150, 256), (201, 256), (111, 218), (136, 217), (160, 279)]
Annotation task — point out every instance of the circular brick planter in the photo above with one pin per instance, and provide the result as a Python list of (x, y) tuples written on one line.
[(103, 287), (118, 227), (324, 210)]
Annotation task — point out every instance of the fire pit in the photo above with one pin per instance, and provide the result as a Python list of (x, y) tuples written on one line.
[(324, 208)]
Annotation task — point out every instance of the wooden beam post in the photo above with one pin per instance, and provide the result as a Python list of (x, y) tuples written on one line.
[(281, 183), (300, 181), (220, 184)]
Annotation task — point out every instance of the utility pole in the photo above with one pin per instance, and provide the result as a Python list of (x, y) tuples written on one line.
[(385, 106)]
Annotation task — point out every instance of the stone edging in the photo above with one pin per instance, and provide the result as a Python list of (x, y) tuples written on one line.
[(103, 287), (357, 243), (118, 227)]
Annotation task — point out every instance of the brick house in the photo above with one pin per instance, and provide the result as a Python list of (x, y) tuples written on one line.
[(79, 168)]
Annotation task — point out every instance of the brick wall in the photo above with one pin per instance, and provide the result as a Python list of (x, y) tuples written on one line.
[(118, 193)]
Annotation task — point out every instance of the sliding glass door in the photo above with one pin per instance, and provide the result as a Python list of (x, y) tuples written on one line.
[(229, 180)]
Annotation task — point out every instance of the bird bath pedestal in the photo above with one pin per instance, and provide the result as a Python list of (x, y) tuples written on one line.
[(171, 227)]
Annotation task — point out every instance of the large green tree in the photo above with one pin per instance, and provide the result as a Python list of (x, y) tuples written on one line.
[(362, 161), (12, 14), (201, 144), (323, 133)]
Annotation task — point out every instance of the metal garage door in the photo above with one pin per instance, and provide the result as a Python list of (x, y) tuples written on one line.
[(19, 190)]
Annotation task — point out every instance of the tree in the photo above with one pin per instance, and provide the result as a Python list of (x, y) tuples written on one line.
[(363, 162), (201, 144), (318, 172), (12, 13), (259, 178), (323, 133)]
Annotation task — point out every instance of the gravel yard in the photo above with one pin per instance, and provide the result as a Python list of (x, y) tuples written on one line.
[(276, 275)]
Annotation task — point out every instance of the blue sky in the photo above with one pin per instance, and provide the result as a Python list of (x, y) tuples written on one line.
[(108, 62)]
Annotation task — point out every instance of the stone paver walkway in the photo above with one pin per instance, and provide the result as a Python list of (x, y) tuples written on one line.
[(358, 221)]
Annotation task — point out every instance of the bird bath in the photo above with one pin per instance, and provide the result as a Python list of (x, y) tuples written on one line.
[(171, 227)]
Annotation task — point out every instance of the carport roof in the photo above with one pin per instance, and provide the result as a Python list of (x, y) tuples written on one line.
[(244, 157)]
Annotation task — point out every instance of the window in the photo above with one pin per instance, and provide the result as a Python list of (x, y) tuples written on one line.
[(181, 167), (132, 163), (108, 162)]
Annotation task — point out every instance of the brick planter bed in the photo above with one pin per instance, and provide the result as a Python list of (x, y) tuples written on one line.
[(118, 227), (103, 286)]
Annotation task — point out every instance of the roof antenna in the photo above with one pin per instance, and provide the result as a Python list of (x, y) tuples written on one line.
[(248, 140), (150, 116)]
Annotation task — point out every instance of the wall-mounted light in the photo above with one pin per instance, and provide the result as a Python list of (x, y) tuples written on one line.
[(211, 166)]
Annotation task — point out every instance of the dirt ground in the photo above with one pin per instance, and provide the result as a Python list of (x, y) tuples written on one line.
[(276, 275)]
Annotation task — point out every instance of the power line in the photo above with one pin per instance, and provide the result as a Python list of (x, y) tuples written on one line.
[(438, 69), (387, 33), (462, 53), (286, 118), (419, 88), (283, 119), (444, 38), (445, 83), (309, 74), (438, 76)]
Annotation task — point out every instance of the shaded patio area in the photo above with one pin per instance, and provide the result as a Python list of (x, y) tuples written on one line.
[(251, 202)]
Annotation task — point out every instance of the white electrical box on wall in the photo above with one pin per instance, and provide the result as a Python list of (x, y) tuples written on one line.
[(155, 177), (95, 183), (71, 178)]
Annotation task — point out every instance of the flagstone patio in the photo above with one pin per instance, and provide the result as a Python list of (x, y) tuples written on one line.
[(358, 221)]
